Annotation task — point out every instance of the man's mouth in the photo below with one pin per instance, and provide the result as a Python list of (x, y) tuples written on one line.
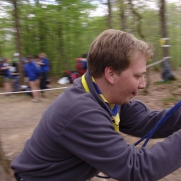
[(134, 93)]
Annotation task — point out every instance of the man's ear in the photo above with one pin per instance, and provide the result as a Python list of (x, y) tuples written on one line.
[(109, 74)]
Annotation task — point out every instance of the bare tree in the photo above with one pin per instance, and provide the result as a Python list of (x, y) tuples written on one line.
[(163, 30), (109, 5), (122, 9), (17, 35), (167, 73), (139, 18)]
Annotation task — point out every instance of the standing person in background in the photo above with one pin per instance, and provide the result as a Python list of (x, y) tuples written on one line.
[(15, 72), (37, 61), (44, 66), (5, 68), (32, 74)]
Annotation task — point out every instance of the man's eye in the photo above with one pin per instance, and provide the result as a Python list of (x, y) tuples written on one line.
[(138, 76)]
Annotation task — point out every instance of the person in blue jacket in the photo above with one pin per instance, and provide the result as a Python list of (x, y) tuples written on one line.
[(32, 73), (79, 134), (44, 67)]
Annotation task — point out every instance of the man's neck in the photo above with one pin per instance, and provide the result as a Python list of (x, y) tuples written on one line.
[(105, 88)]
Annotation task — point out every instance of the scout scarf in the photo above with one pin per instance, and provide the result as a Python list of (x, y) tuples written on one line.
[(114, 107)]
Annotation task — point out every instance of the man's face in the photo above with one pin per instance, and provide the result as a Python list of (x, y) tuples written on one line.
[(130, 81)]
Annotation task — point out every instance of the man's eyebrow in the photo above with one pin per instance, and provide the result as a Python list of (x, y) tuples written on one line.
[(142, 73)]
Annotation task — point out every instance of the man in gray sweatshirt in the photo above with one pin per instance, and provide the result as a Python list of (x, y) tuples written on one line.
[(78, 135)]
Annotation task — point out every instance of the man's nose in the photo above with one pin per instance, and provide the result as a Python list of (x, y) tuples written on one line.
[(142, 83)]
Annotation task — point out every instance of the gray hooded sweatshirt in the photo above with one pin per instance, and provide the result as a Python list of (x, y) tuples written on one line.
[(75, 140)]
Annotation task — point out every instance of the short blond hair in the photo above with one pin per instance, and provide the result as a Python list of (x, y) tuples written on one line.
[(115, 48)]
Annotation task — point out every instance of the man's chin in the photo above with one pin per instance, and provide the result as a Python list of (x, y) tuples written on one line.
[(125, 101), (129, 99)]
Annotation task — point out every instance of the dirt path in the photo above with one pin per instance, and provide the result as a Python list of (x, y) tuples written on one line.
[(19, 116)]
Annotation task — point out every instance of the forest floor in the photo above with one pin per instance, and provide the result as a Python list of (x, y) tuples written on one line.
[(19, 116)]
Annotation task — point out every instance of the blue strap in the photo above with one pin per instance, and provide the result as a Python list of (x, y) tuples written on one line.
[(115, 108), (159, 123)]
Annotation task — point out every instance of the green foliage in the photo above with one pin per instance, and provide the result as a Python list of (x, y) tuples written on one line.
[(7, 45), (174, 29), (64, 30)]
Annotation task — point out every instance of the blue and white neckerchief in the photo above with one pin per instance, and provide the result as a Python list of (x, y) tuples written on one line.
[(114, 107)]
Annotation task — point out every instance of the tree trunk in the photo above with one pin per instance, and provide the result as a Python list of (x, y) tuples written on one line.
[(59, 47), (18, 37), (122, 8), (167, 73), (139, 19), (164, 33), (109, 14)]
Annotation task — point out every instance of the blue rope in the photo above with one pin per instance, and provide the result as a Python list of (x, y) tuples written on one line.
[(160, 122), (150, 134)]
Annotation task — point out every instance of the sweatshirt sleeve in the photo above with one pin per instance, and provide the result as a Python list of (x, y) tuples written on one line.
[(137, 120), (91, 137)]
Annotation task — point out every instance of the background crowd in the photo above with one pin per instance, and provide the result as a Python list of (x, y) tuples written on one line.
[(35, 70)]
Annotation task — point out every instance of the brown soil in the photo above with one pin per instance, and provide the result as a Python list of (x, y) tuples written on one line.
[(19, 116)]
